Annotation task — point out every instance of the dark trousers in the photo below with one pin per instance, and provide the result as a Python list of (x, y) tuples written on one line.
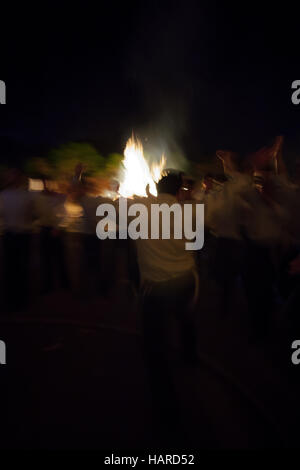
[(169, 340), (16, 247), (118, 261), (258, 277), (227, 261)]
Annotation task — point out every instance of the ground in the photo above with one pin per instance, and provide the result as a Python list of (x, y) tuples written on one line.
[(75, 378)]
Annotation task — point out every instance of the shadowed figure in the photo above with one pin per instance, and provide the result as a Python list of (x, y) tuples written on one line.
[(17, 214), (168, 276)]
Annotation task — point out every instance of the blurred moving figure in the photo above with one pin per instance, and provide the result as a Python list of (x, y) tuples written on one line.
[(50, 211), (98, 260), (91, 266), (251, 218), (266, 236), (17, 213), (226, 212), (167, 273)]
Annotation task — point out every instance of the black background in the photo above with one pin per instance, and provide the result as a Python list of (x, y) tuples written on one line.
[(199, 75)]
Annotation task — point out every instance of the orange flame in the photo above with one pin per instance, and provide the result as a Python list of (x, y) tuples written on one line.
[(137, 173)]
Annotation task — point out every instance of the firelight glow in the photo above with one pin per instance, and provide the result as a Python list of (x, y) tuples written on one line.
[(137, 174)]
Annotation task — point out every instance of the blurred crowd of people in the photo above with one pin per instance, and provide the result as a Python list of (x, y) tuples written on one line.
[(253, 217), (252, 232), (252, 240)]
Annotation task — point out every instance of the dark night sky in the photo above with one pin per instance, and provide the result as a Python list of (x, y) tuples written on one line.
[(200, 74)]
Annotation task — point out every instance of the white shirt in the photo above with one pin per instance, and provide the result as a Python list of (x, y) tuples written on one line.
[(163, 260)]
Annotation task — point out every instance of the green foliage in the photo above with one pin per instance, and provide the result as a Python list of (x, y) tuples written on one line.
[(65, 158), (39, 168)]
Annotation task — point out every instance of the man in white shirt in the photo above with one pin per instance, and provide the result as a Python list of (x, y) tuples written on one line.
[(168, 286), (161, 259)]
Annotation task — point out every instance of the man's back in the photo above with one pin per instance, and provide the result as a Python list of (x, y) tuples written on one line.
[(163, 259)]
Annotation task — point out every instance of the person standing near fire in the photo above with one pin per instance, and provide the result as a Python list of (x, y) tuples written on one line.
[(167, 291)]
